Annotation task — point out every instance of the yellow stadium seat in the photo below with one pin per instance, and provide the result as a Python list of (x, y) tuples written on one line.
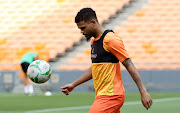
[(151, 50), (60, 1), (139, 13), (131, 29), (87, 51), (147, 45), (2, 40), (40, 46)]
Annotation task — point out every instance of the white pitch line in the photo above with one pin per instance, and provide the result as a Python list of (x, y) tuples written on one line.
[(87, 107), (59, 109)]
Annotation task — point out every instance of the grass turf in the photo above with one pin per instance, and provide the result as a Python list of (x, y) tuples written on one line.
[(19, 103)]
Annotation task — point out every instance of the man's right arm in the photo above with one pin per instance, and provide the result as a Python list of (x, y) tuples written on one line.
[(85, 77)]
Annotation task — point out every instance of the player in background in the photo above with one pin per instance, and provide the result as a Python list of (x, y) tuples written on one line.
[(107, 50), (25, 62)]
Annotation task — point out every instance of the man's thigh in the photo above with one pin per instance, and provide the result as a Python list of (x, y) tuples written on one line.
[(107, 104)]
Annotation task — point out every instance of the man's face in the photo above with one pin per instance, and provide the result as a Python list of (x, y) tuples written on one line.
[(86, 29)]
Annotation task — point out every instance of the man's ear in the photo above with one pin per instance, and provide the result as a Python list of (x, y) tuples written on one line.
[(93, 22)]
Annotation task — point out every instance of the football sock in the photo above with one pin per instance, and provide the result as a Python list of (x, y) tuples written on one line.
[(30, 88), (26, 90)]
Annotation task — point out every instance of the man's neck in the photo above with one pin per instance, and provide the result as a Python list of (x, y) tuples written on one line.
[(99, 31)]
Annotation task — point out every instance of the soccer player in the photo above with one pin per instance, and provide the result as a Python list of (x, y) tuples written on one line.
[(107, 50), (25, 62)]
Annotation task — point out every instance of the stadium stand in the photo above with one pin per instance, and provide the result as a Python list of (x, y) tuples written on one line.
[(46, 27), (151, 37)]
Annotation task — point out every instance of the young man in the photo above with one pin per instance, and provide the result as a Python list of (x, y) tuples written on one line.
[(107, 50), (25, 62)]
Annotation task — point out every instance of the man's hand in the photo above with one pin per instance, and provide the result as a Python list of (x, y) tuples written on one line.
[(85, 77), (146, 99), (67, 88)]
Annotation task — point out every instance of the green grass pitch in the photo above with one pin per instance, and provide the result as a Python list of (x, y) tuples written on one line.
[(81, 102)]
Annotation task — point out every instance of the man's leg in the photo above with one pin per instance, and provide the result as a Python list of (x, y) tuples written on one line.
[(107, 104), (28, 87)]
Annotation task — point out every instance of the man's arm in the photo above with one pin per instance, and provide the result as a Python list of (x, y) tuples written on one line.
[(145, 97), (85, 77)]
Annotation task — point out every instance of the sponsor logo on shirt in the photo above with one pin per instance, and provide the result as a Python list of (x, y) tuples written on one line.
[(92, 54)]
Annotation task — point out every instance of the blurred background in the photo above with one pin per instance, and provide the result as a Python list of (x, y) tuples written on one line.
[(150, 30)]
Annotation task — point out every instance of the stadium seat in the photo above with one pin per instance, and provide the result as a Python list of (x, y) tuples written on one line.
[(2, 41)]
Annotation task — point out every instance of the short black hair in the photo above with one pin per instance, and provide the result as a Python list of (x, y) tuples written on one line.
[(85, 14)]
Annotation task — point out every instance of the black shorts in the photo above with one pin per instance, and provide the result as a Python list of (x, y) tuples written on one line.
[(24, 66)]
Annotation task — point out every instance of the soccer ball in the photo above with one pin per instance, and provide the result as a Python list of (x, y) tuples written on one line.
[(39, 71)]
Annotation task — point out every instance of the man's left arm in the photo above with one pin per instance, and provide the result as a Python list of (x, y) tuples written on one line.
[(114, 44), (145, 97)]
